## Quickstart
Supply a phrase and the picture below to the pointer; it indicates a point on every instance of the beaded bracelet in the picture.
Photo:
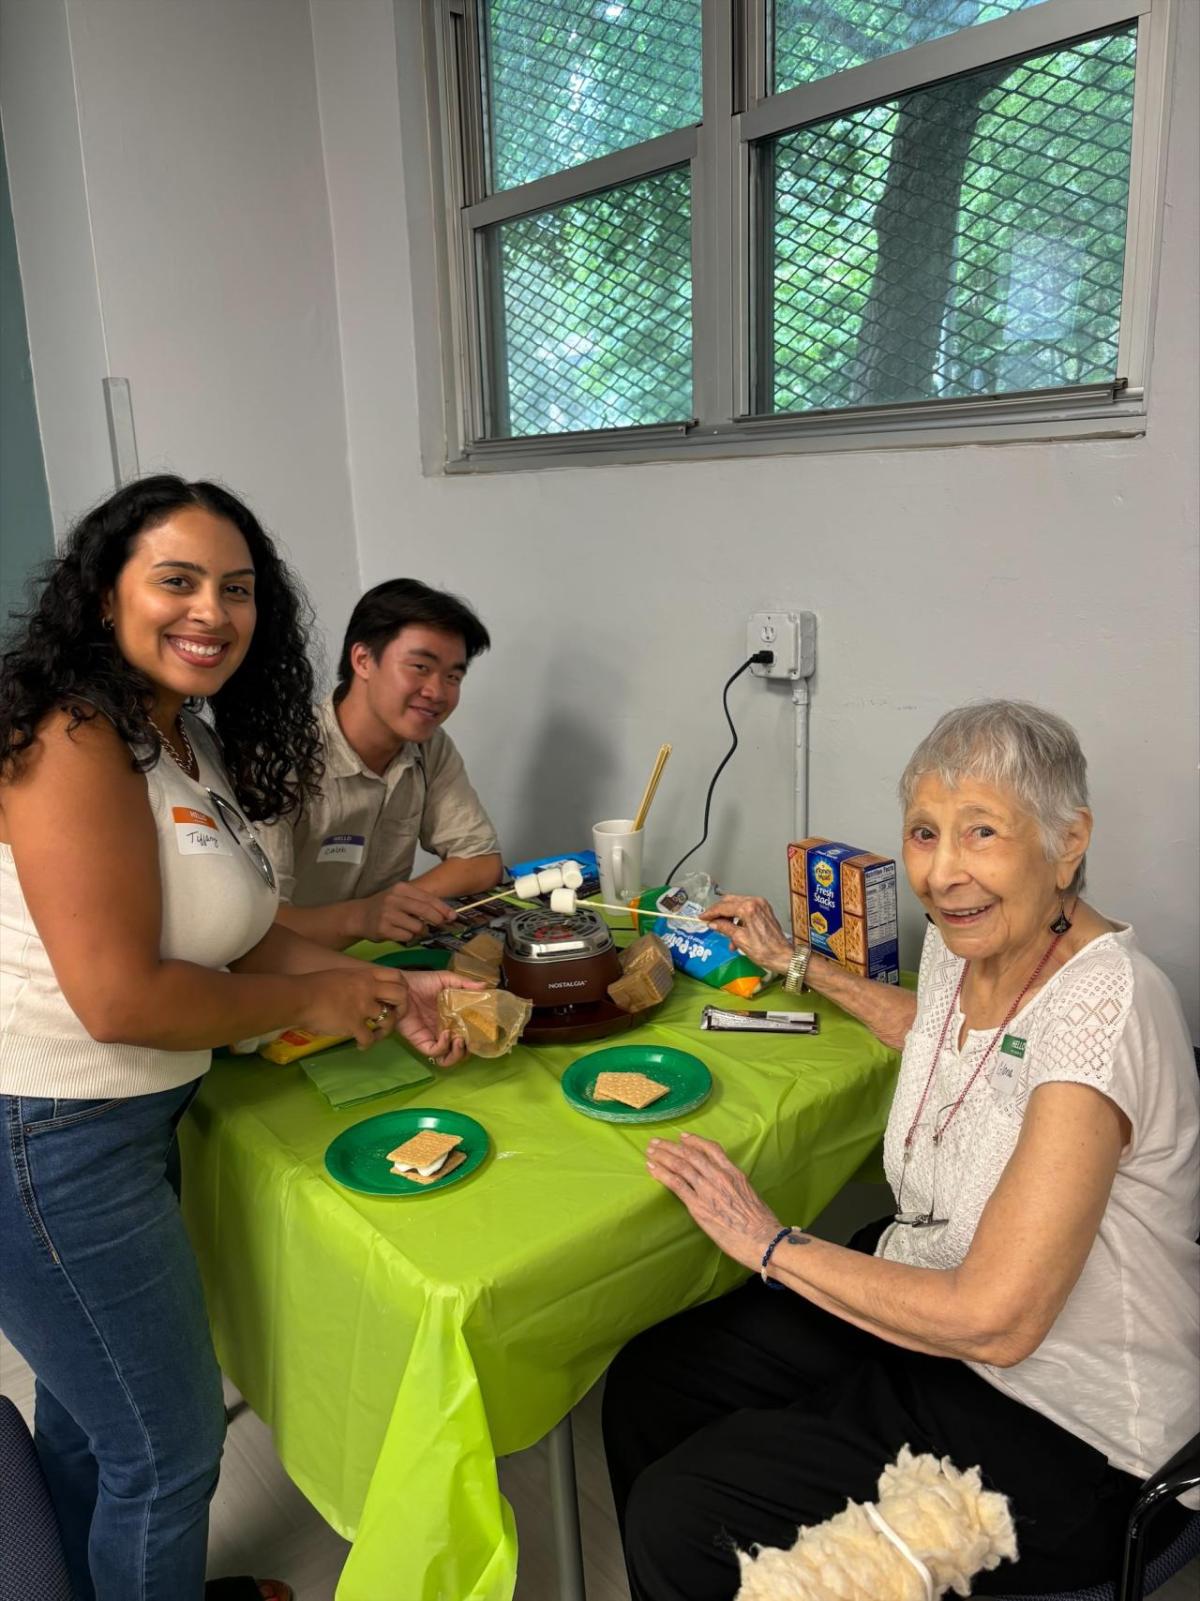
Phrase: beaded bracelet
(768, 1253)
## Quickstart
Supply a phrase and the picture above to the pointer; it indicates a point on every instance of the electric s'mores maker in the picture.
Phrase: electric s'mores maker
(564, 965)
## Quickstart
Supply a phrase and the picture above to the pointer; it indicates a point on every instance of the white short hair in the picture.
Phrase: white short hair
(1030, 752)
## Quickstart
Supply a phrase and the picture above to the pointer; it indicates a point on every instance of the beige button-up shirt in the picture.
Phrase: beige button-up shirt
(360, 833)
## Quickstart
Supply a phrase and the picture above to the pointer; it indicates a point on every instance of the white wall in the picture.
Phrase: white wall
(617, 595)
(230, 267)
(197, 176)
(54, 249)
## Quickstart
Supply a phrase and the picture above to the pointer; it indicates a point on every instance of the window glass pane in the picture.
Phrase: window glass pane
(965, 239)
(570, 80)
(814, 38)
(595, 322)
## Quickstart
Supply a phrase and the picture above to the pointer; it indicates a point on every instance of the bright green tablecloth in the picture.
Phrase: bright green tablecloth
(398, 1346)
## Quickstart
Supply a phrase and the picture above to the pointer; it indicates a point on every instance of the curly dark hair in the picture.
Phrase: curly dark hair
(59, 655)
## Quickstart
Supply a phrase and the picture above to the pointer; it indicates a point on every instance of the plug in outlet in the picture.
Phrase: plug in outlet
(793, 638)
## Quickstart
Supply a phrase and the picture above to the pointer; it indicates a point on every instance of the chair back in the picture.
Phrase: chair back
(33, 1566)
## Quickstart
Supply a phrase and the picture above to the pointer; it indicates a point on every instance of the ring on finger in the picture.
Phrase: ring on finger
(381, 1016)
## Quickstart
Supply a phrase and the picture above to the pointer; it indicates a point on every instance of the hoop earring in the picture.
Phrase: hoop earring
(107, 624)
(1062, 922)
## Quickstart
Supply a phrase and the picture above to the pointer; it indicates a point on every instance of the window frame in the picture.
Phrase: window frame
(728, 232)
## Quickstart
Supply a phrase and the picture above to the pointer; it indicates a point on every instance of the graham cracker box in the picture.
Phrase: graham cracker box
(844, 905)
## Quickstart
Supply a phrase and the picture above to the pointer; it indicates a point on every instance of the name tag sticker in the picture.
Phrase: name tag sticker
(196, 833)
(1013, 1045)
(342, 848)
(1005, 1079)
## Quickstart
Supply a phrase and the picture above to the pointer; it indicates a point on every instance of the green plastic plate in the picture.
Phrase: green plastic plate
(358, 1157)
(689, 1080)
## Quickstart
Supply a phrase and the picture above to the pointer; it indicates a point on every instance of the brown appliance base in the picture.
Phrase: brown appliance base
(567, 1025)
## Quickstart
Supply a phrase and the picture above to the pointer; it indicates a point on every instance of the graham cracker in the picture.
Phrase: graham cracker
(455, 1159)
(424, 1147)
(631, 1089)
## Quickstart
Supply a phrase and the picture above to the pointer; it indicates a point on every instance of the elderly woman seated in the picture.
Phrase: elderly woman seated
(1032, 1306)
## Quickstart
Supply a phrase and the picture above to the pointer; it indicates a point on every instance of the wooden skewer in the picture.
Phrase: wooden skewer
(500, 895)
(639, 821)
(600, 906)
(633, 911)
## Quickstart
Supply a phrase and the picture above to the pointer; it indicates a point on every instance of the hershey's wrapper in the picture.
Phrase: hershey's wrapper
(720, 1020)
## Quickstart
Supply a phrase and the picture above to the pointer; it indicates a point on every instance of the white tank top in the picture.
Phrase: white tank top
(216, 905)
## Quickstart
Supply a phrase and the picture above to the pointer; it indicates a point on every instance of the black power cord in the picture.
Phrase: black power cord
(760, 658)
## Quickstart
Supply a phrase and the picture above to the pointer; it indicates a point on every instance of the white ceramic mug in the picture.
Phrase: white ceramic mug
(619, 854)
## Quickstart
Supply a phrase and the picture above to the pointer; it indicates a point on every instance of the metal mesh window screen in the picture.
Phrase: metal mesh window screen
(814, 38)
(592, 311)
(962, 240)
(570, 80)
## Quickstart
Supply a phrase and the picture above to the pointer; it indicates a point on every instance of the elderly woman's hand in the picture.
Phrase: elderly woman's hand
(717, 1194)
(756, 933)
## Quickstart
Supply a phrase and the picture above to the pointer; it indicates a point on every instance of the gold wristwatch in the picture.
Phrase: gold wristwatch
(793, 979)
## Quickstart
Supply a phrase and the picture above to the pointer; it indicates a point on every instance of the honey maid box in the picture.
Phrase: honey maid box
(844, 906)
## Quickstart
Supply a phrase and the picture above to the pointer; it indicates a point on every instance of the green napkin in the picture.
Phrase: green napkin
(345, 1075)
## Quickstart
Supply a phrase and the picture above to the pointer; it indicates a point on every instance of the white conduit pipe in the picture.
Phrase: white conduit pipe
(800, 796)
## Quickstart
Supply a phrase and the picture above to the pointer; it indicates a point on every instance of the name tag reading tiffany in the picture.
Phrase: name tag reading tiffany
(342, 848)
(196, 833)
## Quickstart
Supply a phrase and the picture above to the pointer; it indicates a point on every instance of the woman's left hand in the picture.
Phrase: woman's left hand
(422, 1027)
(717, 1194)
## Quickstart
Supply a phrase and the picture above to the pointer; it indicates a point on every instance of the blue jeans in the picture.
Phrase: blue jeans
(100, 1294)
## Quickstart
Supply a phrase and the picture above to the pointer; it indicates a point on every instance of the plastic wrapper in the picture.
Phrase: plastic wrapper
(485, 947)
(489, 1021)
(647, 975)
(647, 953)
(294, 1043)
(697, 949)
(468, 966)
(637, 992)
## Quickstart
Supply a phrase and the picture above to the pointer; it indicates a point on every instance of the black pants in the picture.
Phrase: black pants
(732, 1424)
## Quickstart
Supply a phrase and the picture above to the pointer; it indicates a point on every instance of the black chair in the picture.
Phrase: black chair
(32, 1566)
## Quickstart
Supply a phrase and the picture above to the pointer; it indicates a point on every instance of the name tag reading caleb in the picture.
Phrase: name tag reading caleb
(342, 848)
(196, 833)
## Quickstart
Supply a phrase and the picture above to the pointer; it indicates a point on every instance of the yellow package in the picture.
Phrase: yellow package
(294, 1043)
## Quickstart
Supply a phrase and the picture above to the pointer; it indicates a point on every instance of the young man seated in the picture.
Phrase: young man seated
(393, 779)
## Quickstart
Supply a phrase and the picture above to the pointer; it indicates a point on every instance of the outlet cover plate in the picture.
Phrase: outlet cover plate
(791, 635)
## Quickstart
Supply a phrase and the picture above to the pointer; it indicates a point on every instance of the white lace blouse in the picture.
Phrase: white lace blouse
(1119, 1368)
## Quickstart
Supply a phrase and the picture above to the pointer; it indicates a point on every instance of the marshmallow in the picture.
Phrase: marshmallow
(572, 875)
(563, 900)
(526, 887)
(427, 1171)
(550, 878)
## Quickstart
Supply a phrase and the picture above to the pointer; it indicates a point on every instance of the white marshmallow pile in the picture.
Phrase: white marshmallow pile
(562, 882)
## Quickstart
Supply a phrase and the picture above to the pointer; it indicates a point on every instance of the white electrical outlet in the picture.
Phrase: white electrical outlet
(793, 638)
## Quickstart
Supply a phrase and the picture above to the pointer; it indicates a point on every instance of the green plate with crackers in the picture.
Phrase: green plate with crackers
(687, 1081)
(358, 1158)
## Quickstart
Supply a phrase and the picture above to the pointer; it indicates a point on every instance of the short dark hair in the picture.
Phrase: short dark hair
(406, 603)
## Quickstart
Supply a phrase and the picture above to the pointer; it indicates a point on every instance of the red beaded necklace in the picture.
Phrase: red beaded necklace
(930, 1219)
(940, 1128)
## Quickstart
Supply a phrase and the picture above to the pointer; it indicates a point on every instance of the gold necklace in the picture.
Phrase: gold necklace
(192, 766)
